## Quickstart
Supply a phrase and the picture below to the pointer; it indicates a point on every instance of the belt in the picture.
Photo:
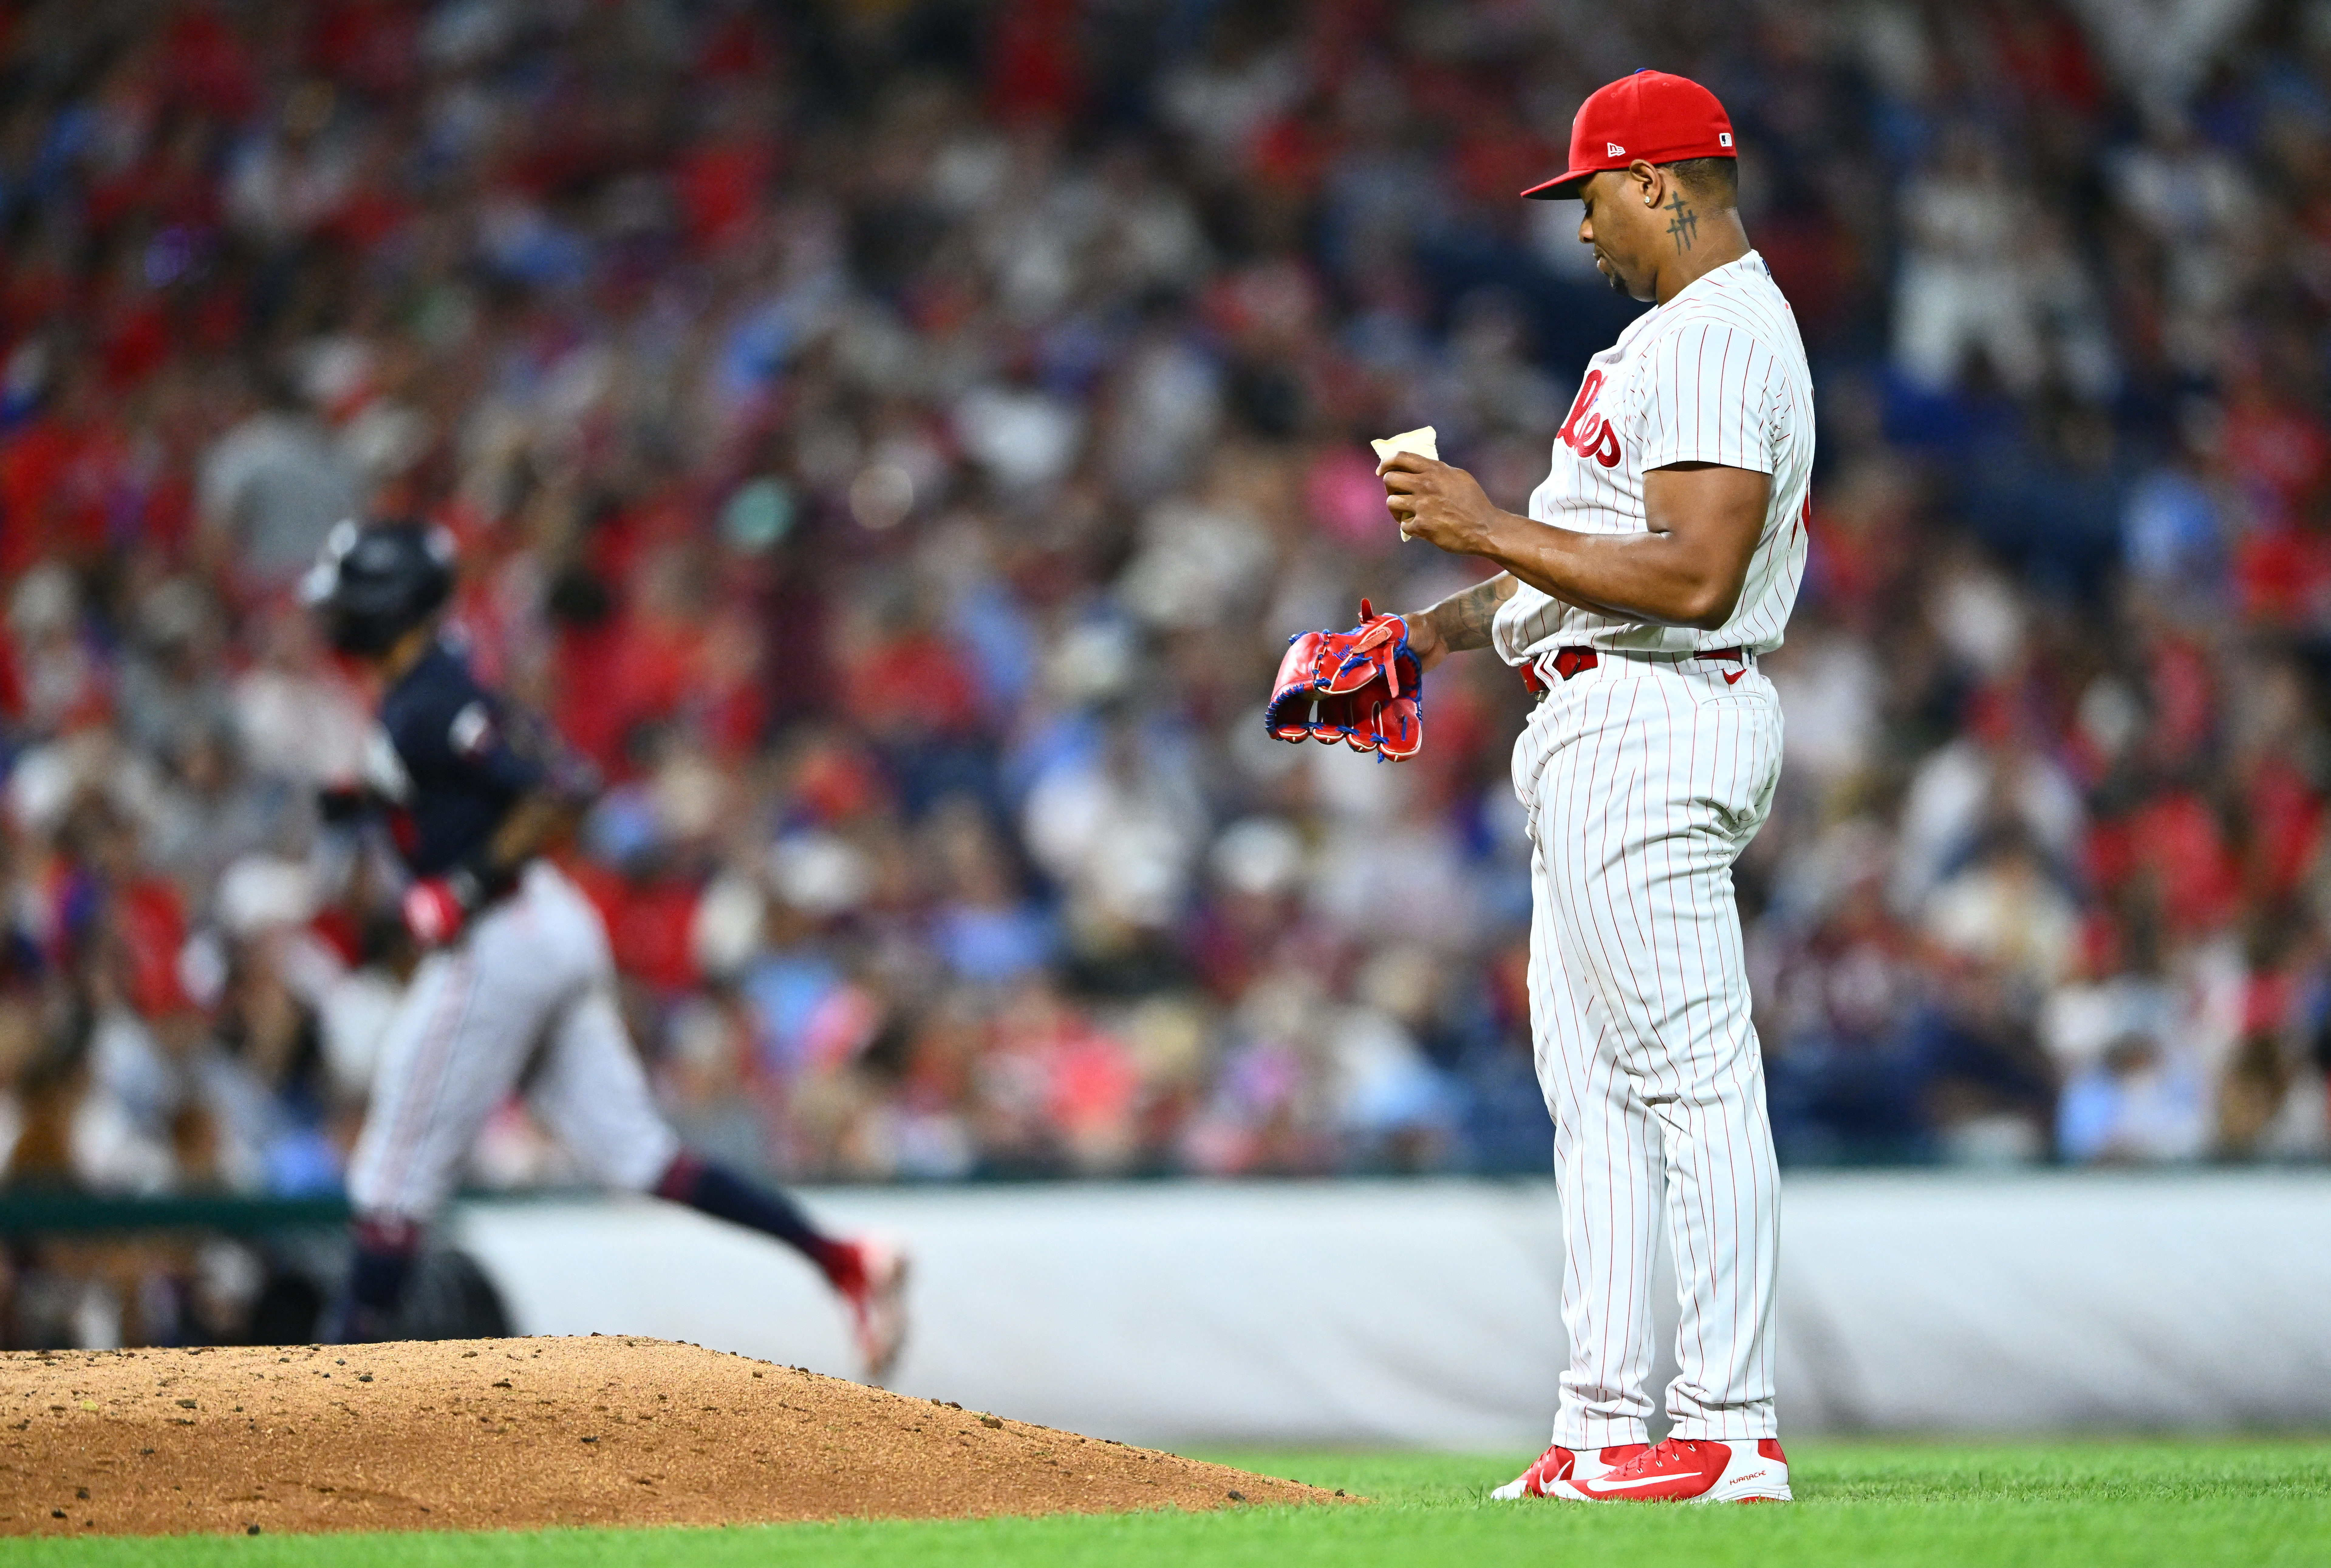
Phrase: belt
(1568, 662)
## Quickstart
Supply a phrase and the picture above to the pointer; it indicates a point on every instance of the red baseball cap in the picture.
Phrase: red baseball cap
(1651, 115)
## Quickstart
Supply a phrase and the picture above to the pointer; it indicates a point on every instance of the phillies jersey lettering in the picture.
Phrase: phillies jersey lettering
(1717, 374)
(1586, 433)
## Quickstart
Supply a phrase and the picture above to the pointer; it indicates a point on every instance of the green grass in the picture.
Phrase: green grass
(2091, 1505)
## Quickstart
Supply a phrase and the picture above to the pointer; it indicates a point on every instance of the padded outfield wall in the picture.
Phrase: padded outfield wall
(1424, 1312)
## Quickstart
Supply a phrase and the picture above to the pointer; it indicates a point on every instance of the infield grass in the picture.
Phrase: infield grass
(2261, 1504)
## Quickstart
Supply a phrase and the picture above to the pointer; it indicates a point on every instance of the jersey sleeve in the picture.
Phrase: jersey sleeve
(479, 742)
(459, 733)
(1710, 395)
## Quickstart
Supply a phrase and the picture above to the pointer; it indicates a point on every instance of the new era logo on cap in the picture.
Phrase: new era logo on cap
(1612, 149)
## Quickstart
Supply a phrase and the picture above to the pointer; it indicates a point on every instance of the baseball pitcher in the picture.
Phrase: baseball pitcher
(517, 990)
(1660, 559)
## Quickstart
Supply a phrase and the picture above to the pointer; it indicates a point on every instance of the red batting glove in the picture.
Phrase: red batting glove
(433, 912)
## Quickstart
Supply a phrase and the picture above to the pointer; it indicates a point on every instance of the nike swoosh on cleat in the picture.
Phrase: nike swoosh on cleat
(1646, 1481)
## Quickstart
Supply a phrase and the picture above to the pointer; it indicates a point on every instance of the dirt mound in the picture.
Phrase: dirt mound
(513, 1433)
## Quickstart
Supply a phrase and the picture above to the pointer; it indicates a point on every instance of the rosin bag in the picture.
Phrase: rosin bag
(1422, 441)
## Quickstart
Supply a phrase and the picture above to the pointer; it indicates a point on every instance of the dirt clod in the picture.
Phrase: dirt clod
(687, 1438)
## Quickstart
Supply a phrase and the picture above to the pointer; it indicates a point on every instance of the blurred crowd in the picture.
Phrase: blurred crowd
(894, 438)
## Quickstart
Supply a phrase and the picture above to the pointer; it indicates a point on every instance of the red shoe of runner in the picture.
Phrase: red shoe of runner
(871, 1274)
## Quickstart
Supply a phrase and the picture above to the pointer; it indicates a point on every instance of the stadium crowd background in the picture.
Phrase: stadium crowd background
(895, 439)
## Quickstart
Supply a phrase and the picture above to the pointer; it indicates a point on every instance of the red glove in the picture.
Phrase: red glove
(435, 911)
(1363, 687)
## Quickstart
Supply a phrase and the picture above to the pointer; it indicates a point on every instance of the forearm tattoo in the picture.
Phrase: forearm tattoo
(1464, 619)
(1686, 227)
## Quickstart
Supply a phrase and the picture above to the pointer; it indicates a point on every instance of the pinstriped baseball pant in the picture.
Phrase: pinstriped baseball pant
(1643, 779)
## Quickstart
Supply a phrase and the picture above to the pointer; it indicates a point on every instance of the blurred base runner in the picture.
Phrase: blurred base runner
(516, 991)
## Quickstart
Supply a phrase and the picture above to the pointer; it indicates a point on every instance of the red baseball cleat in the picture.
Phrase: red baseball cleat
(1560, 1464)
(1689, 1471)
(871, 1274)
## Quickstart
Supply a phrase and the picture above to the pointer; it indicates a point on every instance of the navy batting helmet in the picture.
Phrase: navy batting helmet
(377, 581)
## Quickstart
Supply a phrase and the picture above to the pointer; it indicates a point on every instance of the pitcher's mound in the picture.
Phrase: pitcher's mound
(515, 1433)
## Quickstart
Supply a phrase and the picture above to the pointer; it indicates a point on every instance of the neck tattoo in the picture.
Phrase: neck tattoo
(1685, 229)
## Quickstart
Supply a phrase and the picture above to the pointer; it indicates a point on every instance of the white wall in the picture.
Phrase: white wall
(1425, 1313)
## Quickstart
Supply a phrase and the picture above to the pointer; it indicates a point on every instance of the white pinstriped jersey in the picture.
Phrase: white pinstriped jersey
(1717, 374)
